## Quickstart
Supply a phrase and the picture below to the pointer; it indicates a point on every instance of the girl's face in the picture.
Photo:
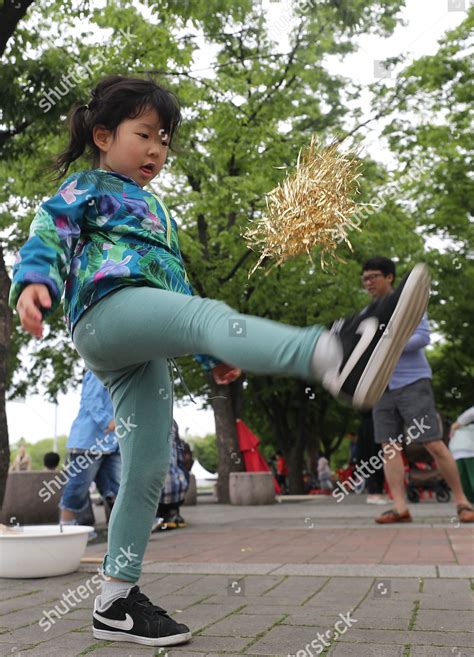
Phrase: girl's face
(138, 150)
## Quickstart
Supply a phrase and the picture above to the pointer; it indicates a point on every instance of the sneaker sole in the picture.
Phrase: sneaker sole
(393, 522)
(406, 317)
(169, 525)
(143, 640)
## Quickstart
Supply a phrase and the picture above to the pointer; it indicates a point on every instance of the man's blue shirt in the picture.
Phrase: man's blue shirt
(95, 414)
(413, 364)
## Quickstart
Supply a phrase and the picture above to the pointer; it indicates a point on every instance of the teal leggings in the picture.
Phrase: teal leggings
(126, 339)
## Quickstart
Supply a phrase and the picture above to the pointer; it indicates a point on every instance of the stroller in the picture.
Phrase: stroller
(422, 475)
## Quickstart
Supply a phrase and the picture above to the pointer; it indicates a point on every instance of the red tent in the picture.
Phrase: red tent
(253, 460)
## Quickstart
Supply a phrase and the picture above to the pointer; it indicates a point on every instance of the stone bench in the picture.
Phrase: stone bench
(32, 498)
(251, 488)
(191, 493)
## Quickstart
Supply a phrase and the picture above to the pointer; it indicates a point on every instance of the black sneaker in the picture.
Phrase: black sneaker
(372, 341)
(136, 619)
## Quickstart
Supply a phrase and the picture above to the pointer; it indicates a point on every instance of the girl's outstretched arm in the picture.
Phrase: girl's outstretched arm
(45, 259)
(32, 300)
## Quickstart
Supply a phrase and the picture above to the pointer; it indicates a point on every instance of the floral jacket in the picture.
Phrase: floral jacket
(100, 232)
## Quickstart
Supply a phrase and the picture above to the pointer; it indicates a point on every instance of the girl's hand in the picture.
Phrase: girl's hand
(224, 374)
(110, 427)
(34, 297)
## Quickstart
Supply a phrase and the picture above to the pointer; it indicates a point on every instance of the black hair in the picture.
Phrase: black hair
(51, 460)
(380, 263)
(115, 99)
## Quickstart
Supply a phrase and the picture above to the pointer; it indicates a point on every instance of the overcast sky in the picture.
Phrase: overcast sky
(427, 20)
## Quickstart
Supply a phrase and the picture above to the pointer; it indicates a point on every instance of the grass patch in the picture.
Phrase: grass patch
(414, 615)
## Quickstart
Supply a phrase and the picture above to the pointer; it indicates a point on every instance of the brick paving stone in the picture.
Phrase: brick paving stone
(182, 651)
(13, 650)
(287, 639)
(432, 651)
(82, 613)
(73, 644)
(259, 585)
(366, 650)
(451, 621)
(451, 602)
(7, 593)
(18, 603)
(34, 634)
(296, 589)
(210, 584)
(217, 643)
(8, 586)
(198, 567)
(176, 601)
(201, 616)
(383, 622)
(255, 607)
(45, 650)
(348, 601)
(311, 616)
(453, 587)
(245, 599)
(397, 589)
(171, 584)
(246, 626)
(123, 649)
(414, 637)
(24, 617)
(375, 609)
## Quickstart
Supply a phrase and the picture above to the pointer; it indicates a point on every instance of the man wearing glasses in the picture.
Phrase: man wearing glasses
(407, 409)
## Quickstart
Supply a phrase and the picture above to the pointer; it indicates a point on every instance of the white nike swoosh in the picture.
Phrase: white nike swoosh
(367, 329)
(126, 624)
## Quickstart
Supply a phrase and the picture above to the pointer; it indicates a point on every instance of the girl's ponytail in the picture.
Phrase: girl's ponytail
(80, 136)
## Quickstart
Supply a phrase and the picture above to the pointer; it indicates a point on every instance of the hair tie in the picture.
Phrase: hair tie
(86, 106)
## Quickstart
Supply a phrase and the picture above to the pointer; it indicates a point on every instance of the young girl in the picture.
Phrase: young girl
(130, 309)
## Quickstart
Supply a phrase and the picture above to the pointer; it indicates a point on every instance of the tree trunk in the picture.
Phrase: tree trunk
(313, 452)
(5, 332)
(297, 446)
(230, 458)
(295, 469)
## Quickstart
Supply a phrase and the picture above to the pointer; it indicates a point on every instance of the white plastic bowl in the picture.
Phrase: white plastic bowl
(42, 550)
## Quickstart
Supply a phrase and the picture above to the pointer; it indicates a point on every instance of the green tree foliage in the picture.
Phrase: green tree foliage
(432, 126)
(205, 451)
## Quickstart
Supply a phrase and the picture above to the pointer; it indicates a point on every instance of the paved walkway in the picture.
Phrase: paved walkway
(277, 580)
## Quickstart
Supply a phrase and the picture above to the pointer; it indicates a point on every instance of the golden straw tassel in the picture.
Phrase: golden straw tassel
(312, 208)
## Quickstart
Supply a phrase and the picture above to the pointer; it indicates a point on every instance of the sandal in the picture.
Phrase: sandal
(465, 513)
(392, 516)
